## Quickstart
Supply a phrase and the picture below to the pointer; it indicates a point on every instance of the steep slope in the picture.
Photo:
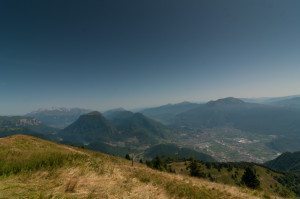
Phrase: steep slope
(286, 162)
(58, 117)
(166, 113)
(175, 152)
(139, 126)
(290, 164)
(258, 118)
(34, 168)
(88, 128)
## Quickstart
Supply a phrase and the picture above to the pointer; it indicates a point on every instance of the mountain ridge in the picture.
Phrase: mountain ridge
(58, 117)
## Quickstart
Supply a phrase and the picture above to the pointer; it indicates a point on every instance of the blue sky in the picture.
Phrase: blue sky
(106, 54)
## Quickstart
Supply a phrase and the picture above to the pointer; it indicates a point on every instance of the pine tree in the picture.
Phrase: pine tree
(127, 157)
(193, 167)
(157, 163)
(250, 179)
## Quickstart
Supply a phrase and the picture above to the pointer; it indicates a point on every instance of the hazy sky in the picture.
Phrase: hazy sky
(105, 54)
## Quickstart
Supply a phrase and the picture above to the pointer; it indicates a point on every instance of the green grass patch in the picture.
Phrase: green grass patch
(38, 161)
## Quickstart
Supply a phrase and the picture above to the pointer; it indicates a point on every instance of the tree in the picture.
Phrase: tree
(193, 167)
(157, 163)
(250, 179)
(127, 157)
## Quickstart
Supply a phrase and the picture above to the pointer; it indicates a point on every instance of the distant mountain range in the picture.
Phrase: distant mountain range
(119, 131)
(58, 117)
(289, 103)
(167, 113)
(10, 125)
(272, 116)
(251, 117)
(268, 100)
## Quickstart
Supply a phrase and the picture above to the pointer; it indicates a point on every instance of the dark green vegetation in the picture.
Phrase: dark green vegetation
(289, 162)
(109, 148)
(175, 152)
(250, 179)
(167, 113)
(160, 163)
(58, 117)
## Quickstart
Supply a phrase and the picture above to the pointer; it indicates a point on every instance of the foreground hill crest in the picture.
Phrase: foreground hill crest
(62, 171)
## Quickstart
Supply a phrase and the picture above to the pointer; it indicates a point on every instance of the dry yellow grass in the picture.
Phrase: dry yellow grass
(97, 175)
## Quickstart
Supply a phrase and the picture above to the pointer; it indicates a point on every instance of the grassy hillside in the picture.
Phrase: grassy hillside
(231, 174)
(34, 168)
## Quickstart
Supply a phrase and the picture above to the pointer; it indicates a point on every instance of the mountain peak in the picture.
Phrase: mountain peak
(226, 101)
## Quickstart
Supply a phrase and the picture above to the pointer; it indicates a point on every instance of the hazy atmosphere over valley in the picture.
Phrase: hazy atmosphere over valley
(149, 99)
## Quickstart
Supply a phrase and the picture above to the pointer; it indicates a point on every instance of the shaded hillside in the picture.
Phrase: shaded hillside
(286, 162)
(175, 152)
(89, 128)
(248, 117)
(123, 132)
(58, 117)
(166, 113)
(33, 168)
(139, 126)
(290, 164)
